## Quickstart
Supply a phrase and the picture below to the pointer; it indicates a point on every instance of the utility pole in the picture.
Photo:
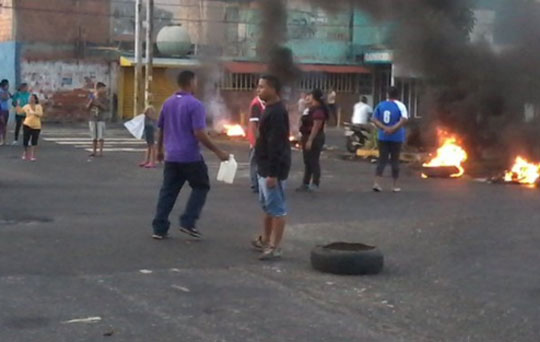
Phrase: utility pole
(137, 84)
(149, 52)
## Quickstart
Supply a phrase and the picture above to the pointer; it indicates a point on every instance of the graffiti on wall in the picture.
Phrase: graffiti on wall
(64, 87)
(302, 27)
(318, 25)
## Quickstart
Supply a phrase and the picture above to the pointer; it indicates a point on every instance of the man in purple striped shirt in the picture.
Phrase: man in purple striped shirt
(182, 125)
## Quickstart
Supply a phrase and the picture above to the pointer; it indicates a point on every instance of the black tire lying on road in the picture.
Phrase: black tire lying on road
(439, 171)
(347, 258)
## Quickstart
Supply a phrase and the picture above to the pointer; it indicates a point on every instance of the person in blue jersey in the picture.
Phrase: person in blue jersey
(390, 118)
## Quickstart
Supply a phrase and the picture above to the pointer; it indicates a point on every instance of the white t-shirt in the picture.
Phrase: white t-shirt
(301, 105)
(332, 97)
(361, 114)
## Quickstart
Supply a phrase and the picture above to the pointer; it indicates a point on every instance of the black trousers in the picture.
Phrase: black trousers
(389, 150)
(312, 159)
(18, 124)
(30, 135)
(332, 109)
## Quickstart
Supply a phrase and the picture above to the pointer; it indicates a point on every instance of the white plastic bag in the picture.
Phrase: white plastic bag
(227, 170)
(135, 126)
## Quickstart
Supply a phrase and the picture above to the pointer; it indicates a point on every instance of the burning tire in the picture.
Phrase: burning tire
(440, 171)
(347, 258)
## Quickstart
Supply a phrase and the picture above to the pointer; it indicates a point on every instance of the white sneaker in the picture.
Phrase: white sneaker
(377, 188)
(270, 253)
(396, 190)
(314, 188)
(15, 142)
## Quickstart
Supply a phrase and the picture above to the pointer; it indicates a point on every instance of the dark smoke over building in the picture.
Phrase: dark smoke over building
(271, 43)
(476, 88)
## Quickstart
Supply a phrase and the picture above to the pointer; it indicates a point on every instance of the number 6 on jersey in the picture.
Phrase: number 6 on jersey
(387, 117)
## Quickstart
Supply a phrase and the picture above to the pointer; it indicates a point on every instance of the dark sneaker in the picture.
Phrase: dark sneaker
(193, 232)
(270, 253)
(258, 244)
(303, 188)
(159, 236)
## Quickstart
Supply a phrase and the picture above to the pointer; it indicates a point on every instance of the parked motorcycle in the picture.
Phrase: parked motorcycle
(356, 136)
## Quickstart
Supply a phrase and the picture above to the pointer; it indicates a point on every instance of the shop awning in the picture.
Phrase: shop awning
(248, 67)
(162, 62)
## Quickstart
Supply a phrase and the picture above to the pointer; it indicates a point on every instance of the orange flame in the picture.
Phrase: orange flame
(523, 172)
(450, 153)
(234, 130)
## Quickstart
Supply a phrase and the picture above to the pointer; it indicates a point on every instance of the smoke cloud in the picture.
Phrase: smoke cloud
(270, 46)
(471, 88)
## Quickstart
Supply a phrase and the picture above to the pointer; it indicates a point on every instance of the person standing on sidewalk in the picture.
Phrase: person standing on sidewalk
(182, 125)
(273, 155)
(150, 155)
(99, 107)
(20, 99)
(390, 117)
(31, 127)
(332, 105)
(255, 109)
(313, 138)
(302, 104)
(4, 110)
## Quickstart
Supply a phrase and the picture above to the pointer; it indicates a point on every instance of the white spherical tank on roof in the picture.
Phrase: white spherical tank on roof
(173, 41)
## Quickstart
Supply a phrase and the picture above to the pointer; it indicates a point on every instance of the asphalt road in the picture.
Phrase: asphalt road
(462, 257)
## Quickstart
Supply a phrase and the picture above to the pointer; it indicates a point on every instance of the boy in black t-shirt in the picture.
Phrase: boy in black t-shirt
(273, 155)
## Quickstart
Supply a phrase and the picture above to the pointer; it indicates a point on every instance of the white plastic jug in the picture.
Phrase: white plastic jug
(227, 170)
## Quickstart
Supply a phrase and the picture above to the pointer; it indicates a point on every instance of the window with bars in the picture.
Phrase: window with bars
(410, 94)
(341, 83)
(239, 82)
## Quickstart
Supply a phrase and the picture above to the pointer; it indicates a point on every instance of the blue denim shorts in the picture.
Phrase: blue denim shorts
(272, 200)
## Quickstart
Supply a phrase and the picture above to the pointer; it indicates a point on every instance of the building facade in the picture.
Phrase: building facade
(61, 48)
(328, 47)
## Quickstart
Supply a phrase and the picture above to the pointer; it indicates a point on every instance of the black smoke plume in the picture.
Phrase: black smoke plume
(270, 47)
(473, 89)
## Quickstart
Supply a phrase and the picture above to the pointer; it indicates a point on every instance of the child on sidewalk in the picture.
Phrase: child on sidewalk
(150, 119)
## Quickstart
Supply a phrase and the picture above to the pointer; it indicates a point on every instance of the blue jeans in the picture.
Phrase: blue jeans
(253, 170)
(175, 175)
(273, 200)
